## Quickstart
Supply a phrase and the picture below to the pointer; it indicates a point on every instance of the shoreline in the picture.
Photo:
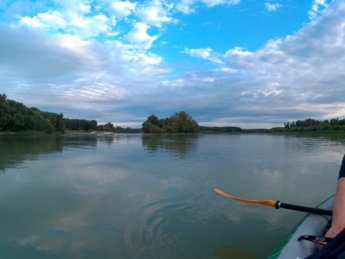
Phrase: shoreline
(244, 132)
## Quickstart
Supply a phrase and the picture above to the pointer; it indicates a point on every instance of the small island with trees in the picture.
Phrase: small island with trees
(181, 122)
(16, 117)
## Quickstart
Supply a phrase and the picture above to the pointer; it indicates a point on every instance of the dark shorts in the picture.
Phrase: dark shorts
(342, 168)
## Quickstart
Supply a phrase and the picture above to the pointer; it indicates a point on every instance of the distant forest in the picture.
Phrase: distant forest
(308, 125)
(15, 116)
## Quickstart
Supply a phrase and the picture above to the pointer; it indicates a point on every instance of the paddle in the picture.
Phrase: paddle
(276, 204)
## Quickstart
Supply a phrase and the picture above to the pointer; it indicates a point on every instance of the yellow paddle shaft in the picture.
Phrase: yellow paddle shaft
(271, 203)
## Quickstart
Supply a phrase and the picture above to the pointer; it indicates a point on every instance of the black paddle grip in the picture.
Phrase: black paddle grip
(303, 208)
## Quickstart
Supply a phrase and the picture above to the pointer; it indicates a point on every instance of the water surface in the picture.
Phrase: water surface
(141, 196)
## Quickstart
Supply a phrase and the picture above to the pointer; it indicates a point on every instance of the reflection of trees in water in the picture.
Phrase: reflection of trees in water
(14, 149)
(179, 144)
(307, 143)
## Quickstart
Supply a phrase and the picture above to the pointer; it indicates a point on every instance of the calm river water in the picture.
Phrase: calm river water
(136, 196)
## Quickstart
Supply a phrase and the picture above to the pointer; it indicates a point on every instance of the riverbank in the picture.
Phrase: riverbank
(329, 134)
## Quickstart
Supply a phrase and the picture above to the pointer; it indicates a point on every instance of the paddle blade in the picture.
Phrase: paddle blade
(271, 203)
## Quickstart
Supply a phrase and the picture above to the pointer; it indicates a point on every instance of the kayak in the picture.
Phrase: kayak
(311, 225)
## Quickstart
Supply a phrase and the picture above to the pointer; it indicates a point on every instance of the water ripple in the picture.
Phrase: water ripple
(159, 236)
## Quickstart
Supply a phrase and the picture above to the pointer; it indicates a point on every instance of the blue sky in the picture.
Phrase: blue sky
(239, 63)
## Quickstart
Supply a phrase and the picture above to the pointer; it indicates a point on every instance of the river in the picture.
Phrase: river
(147, 196)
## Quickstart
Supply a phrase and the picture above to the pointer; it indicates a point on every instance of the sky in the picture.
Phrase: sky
(245, 63)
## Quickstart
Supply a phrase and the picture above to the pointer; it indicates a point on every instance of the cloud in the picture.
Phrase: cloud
(123, 8)
(317, 6)
(185, 6)
(201, 53)
(49, 19)
(155, 14)
(189, 6)
(212, 3)
(272, 7)
(74, 6)
(139, 37)
(71, 23)
(239, 56)
(204, 53)
(28, 55)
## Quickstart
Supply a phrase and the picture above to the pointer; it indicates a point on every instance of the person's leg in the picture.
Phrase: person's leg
(338, 217)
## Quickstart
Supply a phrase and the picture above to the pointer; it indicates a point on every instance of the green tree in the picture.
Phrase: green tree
(93, 125)
(48, 126)
(107, 127)
(181, 122)
(15, 116)
(59, 123)
(18, 121)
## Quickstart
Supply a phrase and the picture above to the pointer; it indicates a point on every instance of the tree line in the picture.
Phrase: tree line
(225, 129)
(315, 125)
(15, 116)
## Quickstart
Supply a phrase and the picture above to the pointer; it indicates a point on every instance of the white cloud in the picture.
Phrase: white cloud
(189, 6)
(212, 3)
(123, 8)
(201, 53)
(204, 53)
(238, 58)
(272, 7)
(33, 22)
(238, 52)
(139, 37)
(316, 8)
(71, 23)
(185, 7)
(155, 14)
(50, 19)
(90, 27)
